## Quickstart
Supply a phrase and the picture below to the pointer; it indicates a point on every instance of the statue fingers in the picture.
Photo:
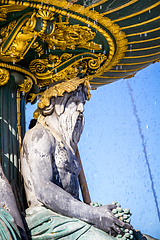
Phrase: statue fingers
(111, 231)
(108, 230)
(122, 224)
(116, 229)
(128, 226)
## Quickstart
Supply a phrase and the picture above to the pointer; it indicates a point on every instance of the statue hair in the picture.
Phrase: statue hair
(62, 101)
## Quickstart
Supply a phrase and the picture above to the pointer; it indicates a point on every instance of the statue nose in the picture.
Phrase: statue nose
(80, 107)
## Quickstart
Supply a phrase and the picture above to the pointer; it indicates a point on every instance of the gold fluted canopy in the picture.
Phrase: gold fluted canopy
(103, 41)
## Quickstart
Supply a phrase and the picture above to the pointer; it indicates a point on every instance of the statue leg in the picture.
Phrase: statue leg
(45, 224)
(8, 228)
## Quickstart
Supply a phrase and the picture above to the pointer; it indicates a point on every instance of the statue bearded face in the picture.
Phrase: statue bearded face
(71, 121)
(65, 115)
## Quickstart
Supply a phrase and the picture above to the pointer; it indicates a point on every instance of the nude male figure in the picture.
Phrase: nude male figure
(50, 167)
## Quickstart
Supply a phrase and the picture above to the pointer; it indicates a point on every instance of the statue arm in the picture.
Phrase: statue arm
(39, 158)
(36, 158)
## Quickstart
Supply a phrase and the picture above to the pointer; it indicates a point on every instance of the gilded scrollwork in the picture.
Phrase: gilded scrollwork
(43, 68)
(56, 60)
(39, 66)
(38, 48)
(46, 69)
(4, 76)
(95, 63)
(66, 74)
(46, 73)
(27, 85)
(19, 69)
(63, 36)
(50, 29)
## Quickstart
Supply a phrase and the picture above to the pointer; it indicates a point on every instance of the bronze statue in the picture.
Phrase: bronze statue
(50, 170)
(50, 167)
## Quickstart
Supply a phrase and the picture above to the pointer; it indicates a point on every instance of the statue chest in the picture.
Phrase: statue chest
(65, 159)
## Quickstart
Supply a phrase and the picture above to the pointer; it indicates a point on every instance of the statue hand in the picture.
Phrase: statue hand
(108, 222)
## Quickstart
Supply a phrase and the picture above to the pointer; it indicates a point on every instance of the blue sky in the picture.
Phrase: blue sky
(119, 146)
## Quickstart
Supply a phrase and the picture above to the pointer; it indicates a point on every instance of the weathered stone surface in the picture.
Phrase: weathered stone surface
(50, 167)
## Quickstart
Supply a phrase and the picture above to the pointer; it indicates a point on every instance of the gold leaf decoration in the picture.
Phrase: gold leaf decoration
(9, 8)
(66, 36)
(4, 76)
(5, 31)
(27, 85)
(67, 74)
(45, 69)
(20, 39)
(45, 15)
(59, 89)
(57, 27)
(32, 97)
(95, 63)
(57, 60)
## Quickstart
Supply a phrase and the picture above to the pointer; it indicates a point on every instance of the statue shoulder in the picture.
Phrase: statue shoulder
(37, 136)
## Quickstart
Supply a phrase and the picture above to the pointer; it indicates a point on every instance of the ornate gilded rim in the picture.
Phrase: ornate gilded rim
(142, 35)
(113, 34)
(19, 69)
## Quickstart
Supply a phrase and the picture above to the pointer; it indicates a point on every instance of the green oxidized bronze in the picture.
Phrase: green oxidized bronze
(45, 41)
(8, 228)
(55, 27)
(43, 32)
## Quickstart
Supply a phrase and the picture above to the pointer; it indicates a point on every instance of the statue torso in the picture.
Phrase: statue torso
(66, 169)
(65, 166)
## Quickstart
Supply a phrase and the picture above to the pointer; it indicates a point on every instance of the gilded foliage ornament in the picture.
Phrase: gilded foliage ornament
(56, 60)
(58, 90)
(65, 42)
(46, 69)
(4, 76)
(5, 31)
(38, 48)
(65, 36)
(19, 69)
(27, 85)
(22, 37)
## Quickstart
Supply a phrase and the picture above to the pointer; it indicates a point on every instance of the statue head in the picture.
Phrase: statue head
(64, 113)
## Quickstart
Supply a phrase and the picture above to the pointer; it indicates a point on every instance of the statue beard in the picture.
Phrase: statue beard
(71, 127)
